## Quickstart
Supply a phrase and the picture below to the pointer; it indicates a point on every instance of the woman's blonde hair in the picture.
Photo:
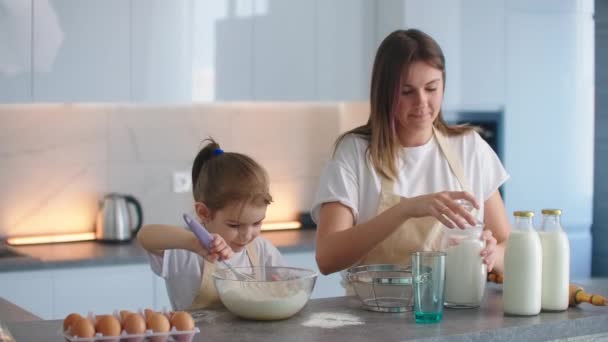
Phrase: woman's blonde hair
(221, 178)
(395, 55)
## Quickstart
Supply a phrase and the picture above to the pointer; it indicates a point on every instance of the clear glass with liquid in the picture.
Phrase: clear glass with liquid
(428, 278)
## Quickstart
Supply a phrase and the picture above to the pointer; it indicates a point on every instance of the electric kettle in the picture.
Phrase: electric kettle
(114, 219)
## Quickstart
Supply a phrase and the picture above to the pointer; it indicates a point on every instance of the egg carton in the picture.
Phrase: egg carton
(148, 336)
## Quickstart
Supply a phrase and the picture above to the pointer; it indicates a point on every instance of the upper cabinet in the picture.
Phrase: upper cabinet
(15, 51)
(284, 50)
(344, 47)
(161, 48)
(155, 51)
(81, 50)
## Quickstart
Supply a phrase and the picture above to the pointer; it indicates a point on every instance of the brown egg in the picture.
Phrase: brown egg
(182, 320)
(123, 315)
(134, 324)
(158, 322)
(148, 312)
(82, 327)
(107, 325)
(69, 319)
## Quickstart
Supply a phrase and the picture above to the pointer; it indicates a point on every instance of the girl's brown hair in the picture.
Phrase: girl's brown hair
(221, 178)
(395, 55)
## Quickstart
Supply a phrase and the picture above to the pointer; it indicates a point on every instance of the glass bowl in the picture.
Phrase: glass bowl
(382, 287)
(276, 293)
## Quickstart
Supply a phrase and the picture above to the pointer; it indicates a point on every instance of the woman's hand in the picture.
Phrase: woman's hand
(443, 206)
(219, 249)
(488, 255)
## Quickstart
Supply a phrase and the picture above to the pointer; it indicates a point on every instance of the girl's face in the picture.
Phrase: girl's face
(420, 98)
(237, 223)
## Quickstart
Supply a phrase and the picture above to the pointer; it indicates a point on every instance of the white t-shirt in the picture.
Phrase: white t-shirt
(183, 270)
(349, 177)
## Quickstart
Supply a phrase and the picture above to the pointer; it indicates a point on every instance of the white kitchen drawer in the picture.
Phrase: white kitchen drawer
(32, 291)
(103, 289)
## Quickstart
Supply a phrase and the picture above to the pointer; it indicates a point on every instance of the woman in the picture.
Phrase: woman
(394, 182)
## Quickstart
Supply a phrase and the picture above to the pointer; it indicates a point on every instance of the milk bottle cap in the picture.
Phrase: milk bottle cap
(556, 212)
(523, 213)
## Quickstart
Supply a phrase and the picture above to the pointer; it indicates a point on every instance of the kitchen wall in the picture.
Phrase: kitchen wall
(59, 159)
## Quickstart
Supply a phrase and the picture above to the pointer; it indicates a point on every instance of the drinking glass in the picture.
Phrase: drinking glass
(428, 277)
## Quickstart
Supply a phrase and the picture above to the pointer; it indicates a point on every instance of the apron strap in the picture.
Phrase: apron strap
(252, 254)
(454, 163)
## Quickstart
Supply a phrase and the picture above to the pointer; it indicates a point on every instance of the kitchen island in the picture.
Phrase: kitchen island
(342, 319)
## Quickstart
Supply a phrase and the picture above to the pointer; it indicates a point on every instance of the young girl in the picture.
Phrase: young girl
(231, 195)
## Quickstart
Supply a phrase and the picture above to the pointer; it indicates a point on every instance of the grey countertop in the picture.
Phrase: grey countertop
(91, 253)
(10, 312)
(342, 319)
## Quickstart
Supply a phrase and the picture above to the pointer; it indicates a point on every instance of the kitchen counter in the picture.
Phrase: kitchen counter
(91, 253)
(10, 312)
(342, 319)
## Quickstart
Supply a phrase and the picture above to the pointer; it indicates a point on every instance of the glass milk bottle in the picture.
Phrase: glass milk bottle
(523, 268)
(465, 272)
(556, 262)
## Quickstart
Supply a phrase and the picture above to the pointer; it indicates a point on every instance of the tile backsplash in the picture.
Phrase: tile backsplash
(58, 160)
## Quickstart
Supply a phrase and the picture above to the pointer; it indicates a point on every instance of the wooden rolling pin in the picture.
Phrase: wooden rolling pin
(576, 294)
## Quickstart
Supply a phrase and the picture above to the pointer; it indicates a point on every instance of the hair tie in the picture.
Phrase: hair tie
(217, 151)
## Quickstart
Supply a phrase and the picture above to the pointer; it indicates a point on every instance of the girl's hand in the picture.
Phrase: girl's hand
(488, 255)
(219, 249)
(443, 206)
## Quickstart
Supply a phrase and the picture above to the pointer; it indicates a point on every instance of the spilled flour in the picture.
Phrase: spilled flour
(330, 320)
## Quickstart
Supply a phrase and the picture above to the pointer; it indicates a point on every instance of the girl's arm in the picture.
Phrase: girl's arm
(340, 245)
(155, 238)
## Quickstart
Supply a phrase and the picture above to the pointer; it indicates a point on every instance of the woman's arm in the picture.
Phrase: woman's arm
(155, 238)
(339, 244)
(496, 220)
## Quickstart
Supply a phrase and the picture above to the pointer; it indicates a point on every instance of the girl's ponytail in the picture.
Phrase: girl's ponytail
(203, 156)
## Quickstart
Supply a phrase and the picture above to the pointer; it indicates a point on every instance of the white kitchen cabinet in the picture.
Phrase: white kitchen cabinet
(161, 298)
(224, 50)
(81, 51)
(161, 51)
(550, 97)
(31, 290)
(15, 51)
(483, 55)
(102, 289)
(326, 286)
(284, 50)
(52, 294)
(345, 48)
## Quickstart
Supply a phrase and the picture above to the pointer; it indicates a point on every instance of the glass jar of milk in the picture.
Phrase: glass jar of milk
(521, 292)
(465, 272)
(556, 262)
